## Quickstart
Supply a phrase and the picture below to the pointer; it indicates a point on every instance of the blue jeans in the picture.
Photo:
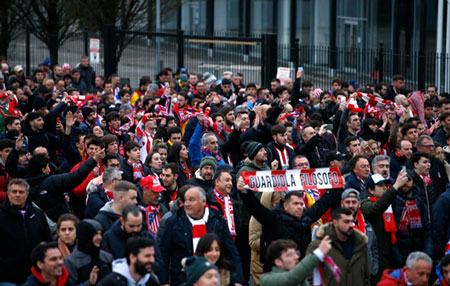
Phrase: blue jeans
(7, 284)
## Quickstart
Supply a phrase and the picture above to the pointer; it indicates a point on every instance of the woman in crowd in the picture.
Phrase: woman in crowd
(210, 248)
(179, 154)
(66, 230)
(155, 163)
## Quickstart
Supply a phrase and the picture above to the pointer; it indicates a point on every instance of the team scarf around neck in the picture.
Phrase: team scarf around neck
(138, 171)
(186, 170)
(284, 157)
(227, 209)
(319, 271)
(389, 221)
(153, 217)
(410, 218)
(198, 228)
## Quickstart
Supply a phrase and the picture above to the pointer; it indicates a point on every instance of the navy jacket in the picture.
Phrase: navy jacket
(96, 200)
(176, 243)
(441, 222)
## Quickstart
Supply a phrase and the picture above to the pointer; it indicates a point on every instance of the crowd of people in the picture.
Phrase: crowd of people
(102, 183)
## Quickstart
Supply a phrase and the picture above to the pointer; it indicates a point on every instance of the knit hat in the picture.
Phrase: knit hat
(32, 116)
(195, 267)
(86, 111)
(208, 161)
(252, 149)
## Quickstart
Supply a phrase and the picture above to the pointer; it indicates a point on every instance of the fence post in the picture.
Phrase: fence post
(110, 49)
(294, 54)
(86, 42)
(380, 67)
(27, 52)
(180, 51)
(269, 58)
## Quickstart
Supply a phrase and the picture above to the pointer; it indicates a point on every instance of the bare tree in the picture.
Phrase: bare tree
(9, 26)
(124, 14)
(49, 21)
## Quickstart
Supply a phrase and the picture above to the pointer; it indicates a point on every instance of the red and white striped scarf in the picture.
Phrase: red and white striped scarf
(319, 271)
(153, 217)
(284, 157)
(227, 211)
(198, 228)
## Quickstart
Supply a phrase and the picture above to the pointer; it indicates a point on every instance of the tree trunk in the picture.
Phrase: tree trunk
(53, 47)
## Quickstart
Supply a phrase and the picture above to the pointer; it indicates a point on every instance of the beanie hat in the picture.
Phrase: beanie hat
(252, 149)
(195, 267)
(86, 230)
(86, 111)
(32, 116)
(208, 161)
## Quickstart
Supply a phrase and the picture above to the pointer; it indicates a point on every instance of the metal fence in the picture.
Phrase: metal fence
(222, 52)
(367, 66)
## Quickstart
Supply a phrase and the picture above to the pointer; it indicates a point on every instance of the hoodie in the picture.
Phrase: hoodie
(120, 266)
(106, 216)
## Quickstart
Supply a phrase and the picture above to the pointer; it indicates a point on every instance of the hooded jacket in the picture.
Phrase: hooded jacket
(106, 216)
(86, 255)
(121, 276)
(198, 181)
(393, 277)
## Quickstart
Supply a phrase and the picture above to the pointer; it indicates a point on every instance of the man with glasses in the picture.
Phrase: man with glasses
(360, 171)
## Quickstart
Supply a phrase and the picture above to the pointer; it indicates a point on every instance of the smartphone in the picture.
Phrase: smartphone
(329, 126)
(404, 169)
(300, 69)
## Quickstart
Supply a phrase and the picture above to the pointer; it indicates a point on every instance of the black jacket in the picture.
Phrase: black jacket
(278, 224)
(176, 243)
(19, 234)
(96, 200)
(419, 239)
(115, 239)
(313, 150)
(47, 191)
(127, 170)
(275, 155)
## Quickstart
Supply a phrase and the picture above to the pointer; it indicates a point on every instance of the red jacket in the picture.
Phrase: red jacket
(80, 190)
(393, 277)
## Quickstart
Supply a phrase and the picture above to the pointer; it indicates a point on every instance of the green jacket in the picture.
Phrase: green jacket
(355, 271)
(294, 277)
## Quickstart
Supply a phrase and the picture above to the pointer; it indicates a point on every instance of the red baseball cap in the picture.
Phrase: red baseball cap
(152, 182)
